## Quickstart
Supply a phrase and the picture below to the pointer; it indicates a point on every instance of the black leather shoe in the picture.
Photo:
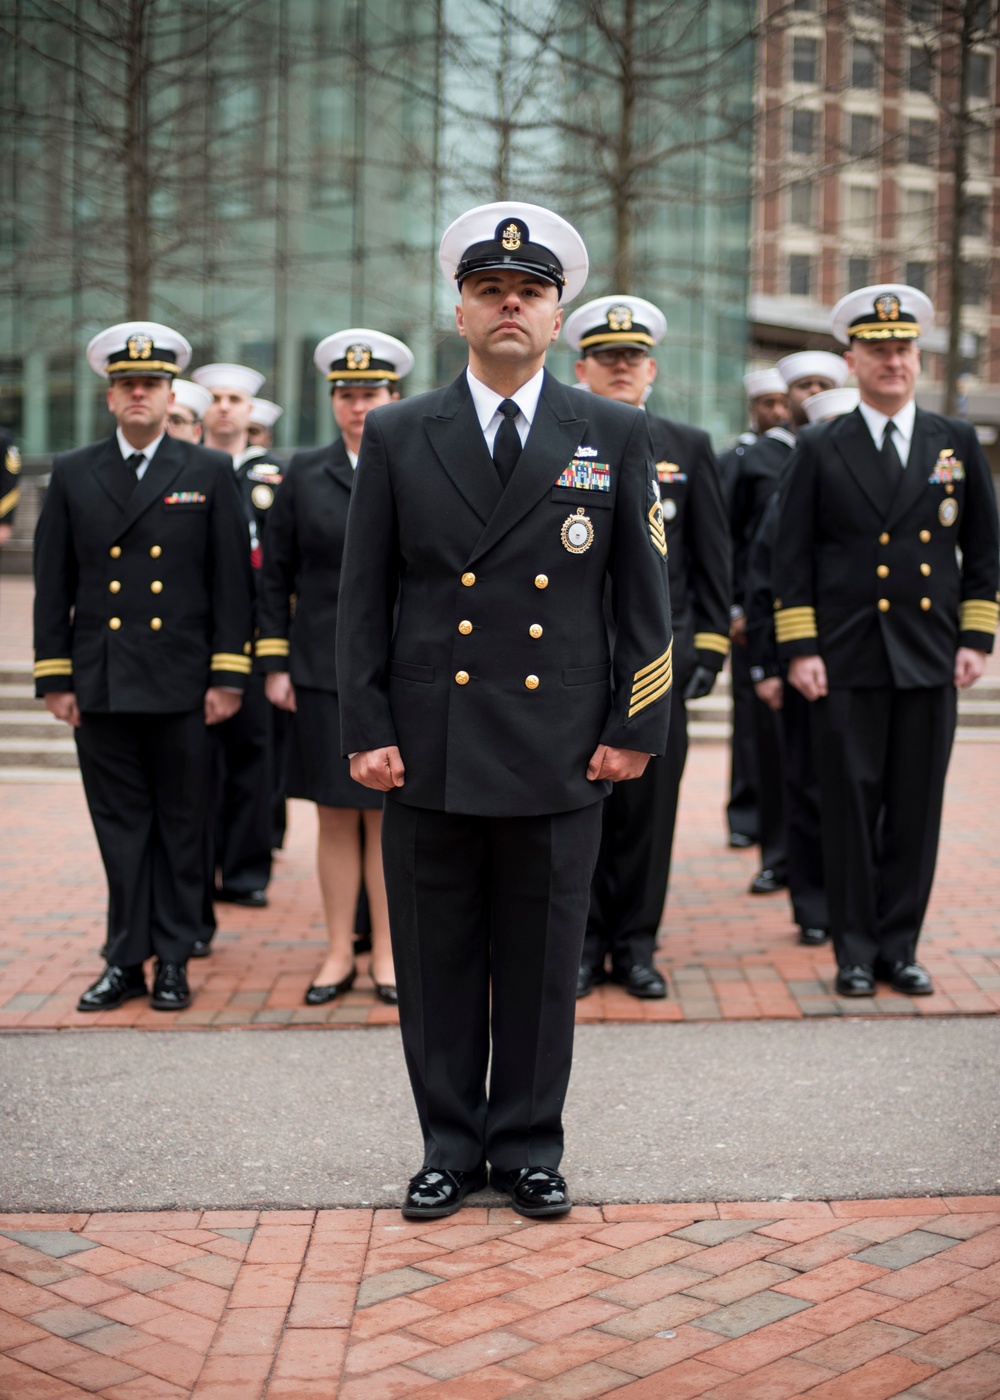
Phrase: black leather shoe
(534, 1191)
(114, 986)
(320, 995)
(202, 948)
(739, 842)
(767, 882)
(170, 988)
(249, 899)
(856, 981)
(645, 982)
(435, 1192)
(910, 979)
(587, 978)
(386, 991)
(813, 937)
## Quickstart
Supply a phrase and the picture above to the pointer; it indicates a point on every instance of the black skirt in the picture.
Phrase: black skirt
(316, 770)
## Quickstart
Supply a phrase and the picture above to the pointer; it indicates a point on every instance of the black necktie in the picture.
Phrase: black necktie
(891, 463)
(507, 443)
(133, 464)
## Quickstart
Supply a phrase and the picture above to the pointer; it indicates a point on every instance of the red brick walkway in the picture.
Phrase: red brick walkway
(853, 1300)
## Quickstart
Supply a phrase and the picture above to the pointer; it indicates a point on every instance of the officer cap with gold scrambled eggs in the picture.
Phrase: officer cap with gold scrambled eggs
(615, 323)
(515, 237)
(888, 311)
(362, 356)
(138, 348)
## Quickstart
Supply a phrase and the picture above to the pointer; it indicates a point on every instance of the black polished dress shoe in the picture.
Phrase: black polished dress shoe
(739, 842)
(248, 899)
(435, 1192)
(533, 1191)
(767, 882)
(328, 991)
(114, 986)
(202, 948)
(645, 982)
(587, 978)
(170, 988)
(386, 991)
(813, 937)
(856, 981)
(909, 978)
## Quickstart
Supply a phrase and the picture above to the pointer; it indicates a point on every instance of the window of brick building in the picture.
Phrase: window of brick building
(920, 142)
(802, 203)
(859, 210)
(918, 274)
(862, 134)
(804, 125)
(917, 215)
(975, 284)
(974, 224)
(799, 274)
(919, 72)
(862, 65)
(805, 60)
(980, 66)
(922, 12)
(859, 273)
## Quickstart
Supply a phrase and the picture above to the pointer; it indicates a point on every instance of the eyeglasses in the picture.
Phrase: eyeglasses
(177, 420)
(631, 354)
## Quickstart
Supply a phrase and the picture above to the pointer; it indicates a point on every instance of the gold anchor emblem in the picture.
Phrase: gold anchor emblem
(358, 357)
(620, 318)
(887, 307)
(139, 346)
(511, 237)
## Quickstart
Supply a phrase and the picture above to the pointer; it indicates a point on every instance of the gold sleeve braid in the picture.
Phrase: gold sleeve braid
(651, 683)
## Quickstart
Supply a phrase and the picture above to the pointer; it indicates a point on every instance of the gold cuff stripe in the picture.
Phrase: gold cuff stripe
(979, 615)
(612, 338)
(711, 641)
(362, 374)
(791, 634)
(791, 624)
(8, 502)
(638, 691)
(646, 670)
(58, 666)
(796, 612)
(141, 367)
(230, 661)
(649, 699)
(272, 646)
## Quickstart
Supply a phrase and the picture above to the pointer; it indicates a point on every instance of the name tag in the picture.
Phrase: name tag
(586, 475)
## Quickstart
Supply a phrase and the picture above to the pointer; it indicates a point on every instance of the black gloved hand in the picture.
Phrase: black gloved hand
(701, 682)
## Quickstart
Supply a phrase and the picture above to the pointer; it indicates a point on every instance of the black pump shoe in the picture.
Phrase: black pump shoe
(329, 991)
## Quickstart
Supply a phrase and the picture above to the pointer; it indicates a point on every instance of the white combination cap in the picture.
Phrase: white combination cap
(889, 311)
(264, 412)
(192, 396)
(138, 347)
(515, 237)
(240, 377)
(621, 322)
(764, 381)
(831, 403)
(362, 356)
(804, 364)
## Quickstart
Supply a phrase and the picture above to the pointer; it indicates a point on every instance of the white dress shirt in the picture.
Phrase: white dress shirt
(904, 420)
(488, 401)
(127, 451)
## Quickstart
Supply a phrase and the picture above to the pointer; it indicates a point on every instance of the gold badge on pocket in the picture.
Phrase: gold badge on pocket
(948, 511)
(577, 532)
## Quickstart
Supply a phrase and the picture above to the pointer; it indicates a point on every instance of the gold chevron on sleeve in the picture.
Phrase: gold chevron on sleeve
(230, 661)
(55, 666)
(711, 641)
(794, 624)
(979, 615)
(652, 682)
(8, 502)
(657, 533)
(272, 646)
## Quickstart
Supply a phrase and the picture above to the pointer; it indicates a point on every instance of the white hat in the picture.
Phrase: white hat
(764, 381)
(362, 356)
(264, 413)
(616, 321)
(831, 403)
(518, 237)
(240, 377)
(889, 311)
(138, 347)
(192, 396)
(804, 364)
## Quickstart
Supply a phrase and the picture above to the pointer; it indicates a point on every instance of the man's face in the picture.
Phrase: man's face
(181, 423)
(228, 415)
(618, 373)
(770, 411)
(886, 371)
(140, 401)
(804, 389)
(259, 436)
(508, 317)
(351, 402)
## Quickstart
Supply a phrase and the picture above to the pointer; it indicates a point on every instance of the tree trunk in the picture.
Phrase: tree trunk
(138, 230)
(624, 250)
(956, 267)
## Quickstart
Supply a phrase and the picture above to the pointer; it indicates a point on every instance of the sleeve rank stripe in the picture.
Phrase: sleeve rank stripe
(8, 502)
(272, 646)
(793, 634)
(711, 641)
(653, 665)
(58, 666)
(665, 678)
(654, 679)
(979, 615)
(794, 624)
(795, 613)
(649, 699)
(230, 661)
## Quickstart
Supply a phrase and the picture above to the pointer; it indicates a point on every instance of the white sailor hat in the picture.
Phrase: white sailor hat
(831, 403)
(265, 413)
(515, 237)
(889, 311)
(804, 364)
(362, 356)
(240, 377)
(192, 396)
(138, 347)
(616, 322)
(764, 381)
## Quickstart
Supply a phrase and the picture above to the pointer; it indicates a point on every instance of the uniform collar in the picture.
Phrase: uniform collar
(127, 450)
(904, 420)
(487, 400)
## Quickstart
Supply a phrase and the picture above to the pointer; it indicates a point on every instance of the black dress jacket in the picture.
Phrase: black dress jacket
(143, 597)
(472, 631)
(866, 571)
(760, 468)
(305, 546)
(698, 548)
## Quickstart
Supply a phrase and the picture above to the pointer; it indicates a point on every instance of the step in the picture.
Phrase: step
(18, 697)
(34, 724)
(45, 753)
(20, 773)
(17, 673)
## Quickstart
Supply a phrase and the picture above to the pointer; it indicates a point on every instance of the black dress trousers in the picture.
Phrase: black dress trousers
(883, 756)
(245, 793)
(478, 902)
(770, 756)
(144, 779)
(742, 806)
(802, 814)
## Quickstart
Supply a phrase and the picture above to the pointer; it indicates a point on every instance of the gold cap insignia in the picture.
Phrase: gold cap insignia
(358, 357)
(620, 318)
(887, 307)
(139, 346)
(511, 237)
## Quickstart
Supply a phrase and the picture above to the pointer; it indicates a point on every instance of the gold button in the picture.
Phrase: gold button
(925, 569)
(925, 603)
(883, 571)
(532, 682)
(925, 536)
(883, 605)
(247, 649)
(883, 538)
(115, 623)
(461, 678)
(115, 551)
(155, 552)
(541, 580)
(114, 586)
(468, 580)
(155, 623)
(535, 630)
(465, 628)
(156, 586)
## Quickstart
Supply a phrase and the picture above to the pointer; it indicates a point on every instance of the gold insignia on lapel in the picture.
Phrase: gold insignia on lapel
(358, 356)
(948, 511)
(577, 532)
(887, 307)
(656, 531)
(139, 346)
(262, 496)
(511, 237)
(620, 318)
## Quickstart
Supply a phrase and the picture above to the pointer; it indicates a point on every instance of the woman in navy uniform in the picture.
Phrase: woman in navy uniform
(305, 544)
